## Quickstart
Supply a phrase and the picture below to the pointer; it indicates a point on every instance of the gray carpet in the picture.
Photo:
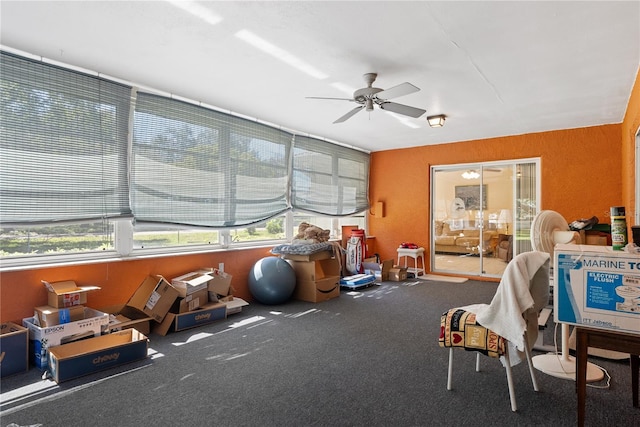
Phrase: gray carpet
(365, 358)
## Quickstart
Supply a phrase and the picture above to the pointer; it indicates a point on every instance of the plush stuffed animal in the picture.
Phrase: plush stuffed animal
(308, 233)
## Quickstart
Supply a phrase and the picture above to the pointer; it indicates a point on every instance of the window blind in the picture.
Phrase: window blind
(65, 157)
(196, 166)
(329, 179)
(63, 144)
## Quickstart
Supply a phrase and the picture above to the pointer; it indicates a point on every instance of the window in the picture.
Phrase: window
(329, 179)
(196, 166)
(63, 145)
(149, 236)
(94, 166)
(57, 239)
(329, 223)
(481, 215)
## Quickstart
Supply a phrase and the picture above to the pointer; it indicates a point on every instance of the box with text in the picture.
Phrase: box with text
(41, 339)
(154, 297)
(597, 287)
(96, 354)
(67, 293)
(177, 322)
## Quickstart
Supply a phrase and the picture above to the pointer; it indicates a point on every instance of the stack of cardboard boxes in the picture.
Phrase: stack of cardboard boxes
(380, 270)
(65, 319)
(204, 296)
(69, 340)
(385, 270)
(318, 275)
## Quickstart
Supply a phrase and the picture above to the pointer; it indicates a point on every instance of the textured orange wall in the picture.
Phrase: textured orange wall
(20, 291)
(630, 126)
(581, 177)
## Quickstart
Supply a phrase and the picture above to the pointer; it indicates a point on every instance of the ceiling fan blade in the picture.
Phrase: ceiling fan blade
(402, 109)
(349, 114)
(396, 91)
(339, 99)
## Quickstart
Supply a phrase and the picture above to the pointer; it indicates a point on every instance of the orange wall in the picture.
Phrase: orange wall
(584, 172)
(580, 168)
(630, 126)
(20, 291)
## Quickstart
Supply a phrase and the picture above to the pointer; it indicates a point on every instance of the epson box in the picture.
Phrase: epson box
(597, 287)
(41, 339)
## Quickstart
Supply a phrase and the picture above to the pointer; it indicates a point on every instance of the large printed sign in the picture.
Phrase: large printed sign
(597, 287)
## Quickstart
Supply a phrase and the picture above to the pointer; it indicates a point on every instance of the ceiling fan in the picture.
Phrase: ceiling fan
(369, 96)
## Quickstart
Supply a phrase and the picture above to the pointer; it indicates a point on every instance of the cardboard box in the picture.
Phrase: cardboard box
(81, 358)
(597, 287)
(190, 283)
(123, 317)
(319, 290)
(379, 270)
(398, 273)
(41, 339)
(154, 297)
(599, 239)
(234, 304)
(221, 282)
(46, 315)
(190, 302)
(316, 281)
(177, 322)
(313, 271)
(14, 349)
(67, 293)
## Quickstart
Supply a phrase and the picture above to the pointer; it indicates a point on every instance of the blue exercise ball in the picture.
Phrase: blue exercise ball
(272, 280)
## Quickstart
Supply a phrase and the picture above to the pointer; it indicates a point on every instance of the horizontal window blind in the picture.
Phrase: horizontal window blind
(65, 157)
(196, 166)
(329, 179)
(63, 144)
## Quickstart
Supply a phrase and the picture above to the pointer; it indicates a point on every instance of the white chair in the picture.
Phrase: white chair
(508, 324)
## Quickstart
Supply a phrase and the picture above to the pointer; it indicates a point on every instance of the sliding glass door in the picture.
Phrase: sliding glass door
(481, 215)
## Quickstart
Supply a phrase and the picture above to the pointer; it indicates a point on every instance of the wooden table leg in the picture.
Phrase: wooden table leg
(586, 337)
(582, 343)
(635, 367)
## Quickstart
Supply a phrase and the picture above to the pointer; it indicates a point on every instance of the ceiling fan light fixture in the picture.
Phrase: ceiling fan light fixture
(470, 174)
(369, 104)
(436, 121)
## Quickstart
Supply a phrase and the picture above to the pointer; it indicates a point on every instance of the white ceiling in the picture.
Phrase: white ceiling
(494, 68)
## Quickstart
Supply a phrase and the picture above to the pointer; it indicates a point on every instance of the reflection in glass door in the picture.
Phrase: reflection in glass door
(481, 215)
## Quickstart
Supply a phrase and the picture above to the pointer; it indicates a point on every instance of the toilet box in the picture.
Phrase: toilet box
(597, 287)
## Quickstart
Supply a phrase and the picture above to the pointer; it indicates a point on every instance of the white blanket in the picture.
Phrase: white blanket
(522, 293)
